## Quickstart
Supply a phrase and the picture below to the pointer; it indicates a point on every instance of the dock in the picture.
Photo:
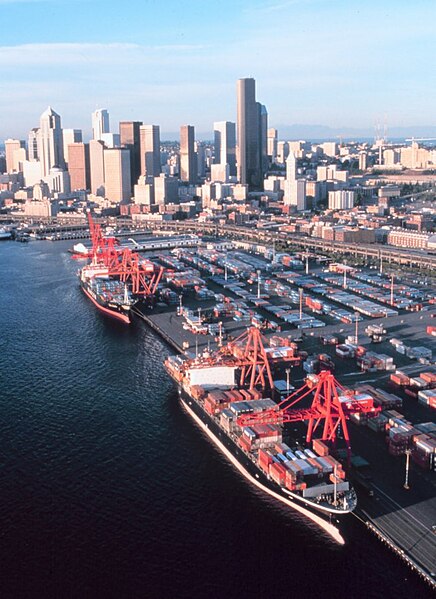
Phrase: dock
(402, 520)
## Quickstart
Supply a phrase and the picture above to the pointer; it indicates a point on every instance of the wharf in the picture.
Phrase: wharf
(402, 519)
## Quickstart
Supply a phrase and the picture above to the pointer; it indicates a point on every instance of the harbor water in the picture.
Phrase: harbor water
(108, 488)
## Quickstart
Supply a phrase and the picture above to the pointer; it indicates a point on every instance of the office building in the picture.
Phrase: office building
(149, 142)
(363, 161)
(100, 123)
(263, 131)
(200, 152)
(130, 139)
(111, 140)
(32, 145)
(225, 146)
(249, 115)
(96, 162)
(188, 162)
(295, 189)
(282, 152)
(166, 190)
(13, 156)
(117, 182)
(50, 142)
(70, 136)
(272, 145)
(79, 166)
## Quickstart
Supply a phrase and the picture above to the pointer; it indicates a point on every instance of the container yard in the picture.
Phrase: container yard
(375, 335)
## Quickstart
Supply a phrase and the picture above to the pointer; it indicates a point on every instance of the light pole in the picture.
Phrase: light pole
(288, 372)
(406, 481)
(258, 284)
(356, 332)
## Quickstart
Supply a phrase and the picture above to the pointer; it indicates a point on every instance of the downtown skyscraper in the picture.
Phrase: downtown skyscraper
(50, 142)
(251, 134)
(188, 157)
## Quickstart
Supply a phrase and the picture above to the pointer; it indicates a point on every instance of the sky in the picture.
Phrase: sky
(339, 63)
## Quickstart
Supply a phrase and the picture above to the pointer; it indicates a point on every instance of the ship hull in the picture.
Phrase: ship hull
(327, 520)
(117, 314)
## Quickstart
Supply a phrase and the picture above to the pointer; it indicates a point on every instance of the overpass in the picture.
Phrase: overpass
(376, 252)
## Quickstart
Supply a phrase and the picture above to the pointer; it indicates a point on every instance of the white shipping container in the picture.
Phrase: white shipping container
(213, 376)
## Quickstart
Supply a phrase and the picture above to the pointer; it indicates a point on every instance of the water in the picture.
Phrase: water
(108, 489)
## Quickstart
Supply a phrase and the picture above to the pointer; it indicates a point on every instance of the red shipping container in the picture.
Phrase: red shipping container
(320, 447)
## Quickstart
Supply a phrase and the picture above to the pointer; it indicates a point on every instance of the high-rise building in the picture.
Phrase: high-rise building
(188, 162)
(79, 166)
(32, 145)
(117, 182)
(295, 189)
(150, 150)
(282, 152)
(272, 145)
(130, 139)
(70, 136)
(225, 145)
(200, 152)
(165, 190)
(249, 127)
(12, 156)
(96, 162)
(100, 123)
(50, 142)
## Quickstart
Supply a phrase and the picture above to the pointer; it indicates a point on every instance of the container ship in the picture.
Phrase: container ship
(250, 430)
(111, 296)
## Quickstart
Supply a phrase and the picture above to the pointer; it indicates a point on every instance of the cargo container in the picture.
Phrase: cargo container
(319, 447)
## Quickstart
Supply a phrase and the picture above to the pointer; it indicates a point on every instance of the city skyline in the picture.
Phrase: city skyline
(315, 62)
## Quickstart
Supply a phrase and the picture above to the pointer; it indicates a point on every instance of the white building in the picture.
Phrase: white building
(341, 200)
(50, 142)
(100, 123)
(225, 145)
(295, 189)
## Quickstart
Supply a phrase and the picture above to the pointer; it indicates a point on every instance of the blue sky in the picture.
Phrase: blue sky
(332, 62)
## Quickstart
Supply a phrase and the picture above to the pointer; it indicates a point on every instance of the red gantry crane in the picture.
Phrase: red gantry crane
(142, 276)
(332, 405)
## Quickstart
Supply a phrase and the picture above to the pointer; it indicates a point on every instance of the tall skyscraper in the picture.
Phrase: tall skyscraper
(150, 150)
(117, 182)
(70, 136)
(96, 161)
(249, 155)
(130, 139)
(79, 166)
(50, 141)
(188, 162)
(11, 147)
(100, 123)
(225, 145)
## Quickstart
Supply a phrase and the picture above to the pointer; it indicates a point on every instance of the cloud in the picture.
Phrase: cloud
(92, 53)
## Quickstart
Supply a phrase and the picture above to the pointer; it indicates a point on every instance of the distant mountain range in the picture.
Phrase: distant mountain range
(324, 133)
